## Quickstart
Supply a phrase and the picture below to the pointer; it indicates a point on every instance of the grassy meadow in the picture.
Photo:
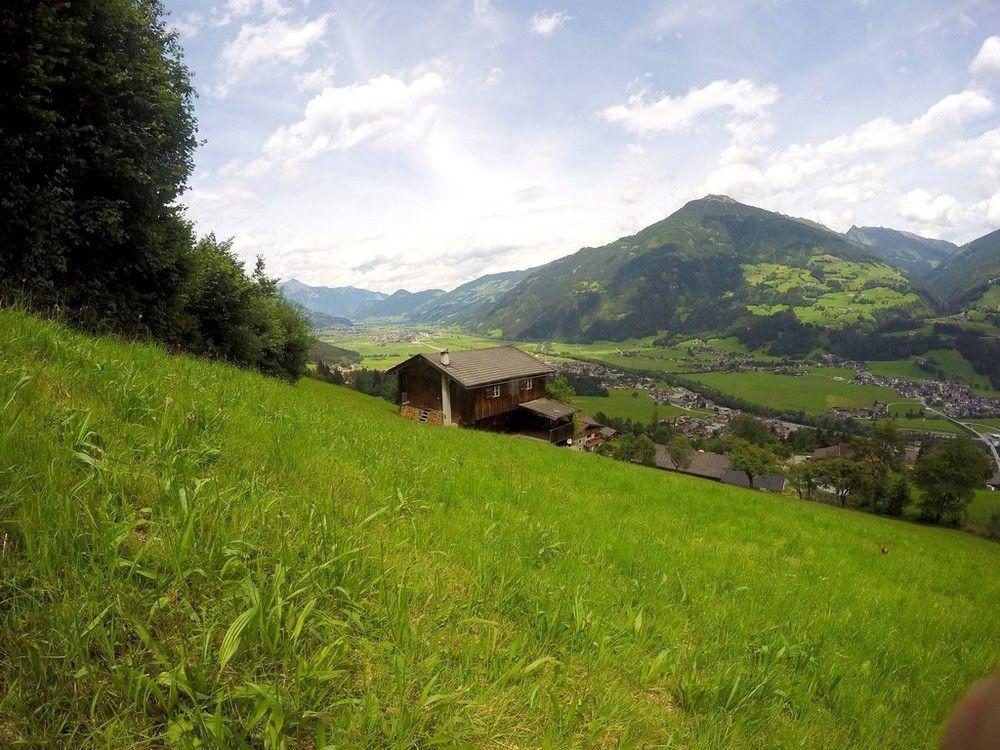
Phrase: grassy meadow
(193, 555)
(951, 361)
(379, 354)
(816, 391)
(621, 403)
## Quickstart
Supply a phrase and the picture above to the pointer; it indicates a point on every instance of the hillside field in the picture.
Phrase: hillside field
(621, 403)
(815, 392)
(193, 554)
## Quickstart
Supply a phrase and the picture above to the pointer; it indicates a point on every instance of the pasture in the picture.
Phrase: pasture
(194, 555)
(816, 391)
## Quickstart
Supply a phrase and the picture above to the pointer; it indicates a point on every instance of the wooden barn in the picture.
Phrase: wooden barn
(500, 389)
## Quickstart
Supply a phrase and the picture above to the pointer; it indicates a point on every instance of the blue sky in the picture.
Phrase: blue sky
(420, 144)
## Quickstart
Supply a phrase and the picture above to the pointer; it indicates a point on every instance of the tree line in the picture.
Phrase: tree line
(97, 136)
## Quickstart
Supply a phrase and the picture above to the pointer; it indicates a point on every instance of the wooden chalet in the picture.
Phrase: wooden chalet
(500, 389)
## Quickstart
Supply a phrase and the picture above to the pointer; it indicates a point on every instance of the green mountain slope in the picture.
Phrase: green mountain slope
(398, 306)
(904, 250)
(705, 268)
(195, 555)
(968, 273)
(468, 300)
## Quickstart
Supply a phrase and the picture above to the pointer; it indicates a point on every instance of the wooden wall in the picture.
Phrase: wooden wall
(421, 384)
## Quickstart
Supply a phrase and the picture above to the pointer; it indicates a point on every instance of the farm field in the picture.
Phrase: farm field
(620, 403)
(981, 510)
(953, 363)
(382, 356)
(195, 554)
(815, 392)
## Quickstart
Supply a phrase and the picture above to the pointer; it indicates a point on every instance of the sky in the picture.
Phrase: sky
(419, 144)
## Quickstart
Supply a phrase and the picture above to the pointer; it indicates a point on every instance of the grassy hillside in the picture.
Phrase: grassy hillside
(967, 273)
(191, 551)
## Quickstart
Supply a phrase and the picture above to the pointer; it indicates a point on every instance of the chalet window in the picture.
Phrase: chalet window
(526, 385)
(493, 391)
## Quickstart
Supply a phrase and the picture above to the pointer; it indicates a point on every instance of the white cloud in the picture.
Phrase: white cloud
(743, 98)
(242, 8)
(927, 209)
(189, 25)
(545, 23)
(981, 154)
(275, 41)
(494, 77)
(315, 80)
(986, 65)
(384, 109)
(859, 158)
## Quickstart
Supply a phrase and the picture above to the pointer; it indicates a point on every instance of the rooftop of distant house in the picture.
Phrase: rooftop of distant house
(477, 367)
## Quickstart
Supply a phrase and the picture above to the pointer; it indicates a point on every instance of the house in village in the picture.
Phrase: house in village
(593, 433)
(501, 389)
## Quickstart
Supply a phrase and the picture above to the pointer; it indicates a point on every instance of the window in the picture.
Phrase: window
(493, 391)
(527, 385)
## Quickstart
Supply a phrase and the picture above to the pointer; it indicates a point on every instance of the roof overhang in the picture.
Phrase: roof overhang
(549, 408)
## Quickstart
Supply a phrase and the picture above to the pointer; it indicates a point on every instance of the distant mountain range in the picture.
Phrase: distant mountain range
(910, 252)
(462, 304)
(714, 266)
(340, 302)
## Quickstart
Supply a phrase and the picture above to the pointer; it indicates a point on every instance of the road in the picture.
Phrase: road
(979, 435)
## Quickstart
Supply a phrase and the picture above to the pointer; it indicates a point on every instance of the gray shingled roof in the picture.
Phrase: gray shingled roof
(709, 465)
(549, 408)
(476, 367)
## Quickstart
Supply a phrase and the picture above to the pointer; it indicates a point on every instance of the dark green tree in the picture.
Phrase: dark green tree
(948, 475)
(97, 133)
(680, 450)
(840, 474)
(803, 477)
(755, 460)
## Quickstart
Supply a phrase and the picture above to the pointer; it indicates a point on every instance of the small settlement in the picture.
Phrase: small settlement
(502, 389)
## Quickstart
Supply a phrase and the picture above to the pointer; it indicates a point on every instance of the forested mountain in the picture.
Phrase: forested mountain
(907, 251)
(469, 299)
(398, 306)
(970, 272)
(713, 265)
(340, 302)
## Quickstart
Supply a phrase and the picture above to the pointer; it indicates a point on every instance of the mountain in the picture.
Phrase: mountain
(910, 252)
(710, 266)
(341, 301)
(466, 301)
(319, 320)
(970, 272)
(398, 306)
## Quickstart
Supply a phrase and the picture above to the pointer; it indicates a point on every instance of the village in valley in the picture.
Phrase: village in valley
(925, 410)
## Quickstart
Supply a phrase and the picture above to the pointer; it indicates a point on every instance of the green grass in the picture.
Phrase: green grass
(983, 506)
(952, 362)
(382, 356)
(620, 403)
(191, 552)
(815, 392)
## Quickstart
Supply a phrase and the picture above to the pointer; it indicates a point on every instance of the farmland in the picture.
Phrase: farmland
(950, 361)
(195, 554)
(621, 403)
(816, 391)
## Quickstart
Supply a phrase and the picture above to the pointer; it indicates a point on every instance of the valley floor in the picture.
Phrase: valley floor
(194, 553)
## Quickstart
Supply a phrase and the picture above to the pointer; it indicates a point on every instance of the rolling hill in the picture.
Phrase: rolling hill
(195, 555)
(969, 272)
(705, 268)
(909, 252)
